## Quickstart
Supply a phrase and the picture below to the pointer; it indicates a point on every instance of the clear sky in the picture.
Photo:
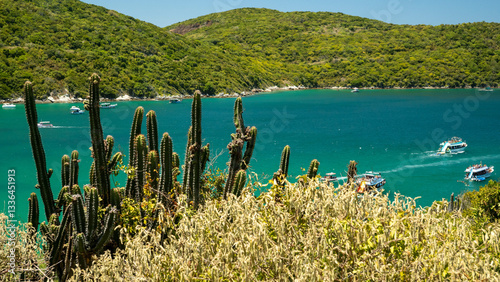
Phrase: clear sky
(434, 12)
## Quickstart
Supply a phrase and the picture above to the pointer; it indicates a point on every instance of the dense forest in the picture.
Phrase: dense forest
(57, 43)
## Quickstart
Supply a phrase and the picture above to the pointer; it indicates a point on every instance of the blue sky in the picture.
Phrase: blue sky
(434, 12)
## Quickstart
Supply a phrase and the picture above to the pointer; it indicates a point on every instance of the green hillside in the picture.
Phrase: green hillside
(58, 44)
(325, 49)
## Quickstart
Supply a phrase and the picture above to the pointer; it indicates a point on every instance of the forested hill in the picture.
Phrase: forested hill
(58, 44)
(324, 49)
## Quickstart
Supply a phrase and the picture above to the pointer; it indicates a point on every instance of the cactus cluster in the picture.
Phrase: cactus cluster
(82, 232)
(239, 161)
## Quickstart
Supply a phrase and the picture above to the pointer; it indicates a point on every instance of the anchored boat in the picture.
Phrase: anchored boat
(76, 110)
(478, 172)
(174, 101)
(8, 106)
(454, 145)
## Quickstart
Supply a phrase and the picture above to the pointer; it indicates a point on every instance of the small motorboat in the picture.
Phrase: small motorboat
(8, 106)
(174, 101)
(354, 90)
(76, 110)
(454, 145)
(44, 124)
(329, 177)
(107, 105)
(478, 172)
(370, 181)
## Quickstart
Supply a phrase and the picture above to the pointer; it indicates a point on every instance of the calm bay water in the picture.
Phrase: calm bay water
(395, 132)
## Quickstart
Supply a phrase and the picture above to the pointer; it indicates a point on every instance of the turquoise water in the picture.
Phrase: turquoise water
(395, 132)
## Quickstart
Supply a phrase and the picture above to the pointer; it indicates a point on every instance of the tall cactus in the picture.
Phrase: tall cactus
(152, 129)
(65, 170)
(38, 152)
(73, 169)
(239, 159)
(96, 135)
(134, 131)
(140, 151)
(313, 169)
(166, 179)
(196, 147)
(186, 177)
(285, 159)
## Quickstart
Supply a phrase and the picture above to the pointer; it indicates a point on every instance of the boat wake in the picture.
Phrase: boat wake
(64, 126)
(465, 161)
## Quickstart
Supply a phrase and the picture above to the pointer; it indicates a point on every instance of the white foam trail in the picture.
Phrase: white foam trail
(447, 162)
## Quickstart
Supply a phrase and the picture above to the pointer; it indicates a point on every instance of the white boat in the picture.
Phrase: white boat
(8, 106)
(107, 105)
(454, 146)
(76, 110)
(369, 181)
(44, 124)
(329, 177)
(488, 89)
(174, 101)
(478, 172)
(355, 89)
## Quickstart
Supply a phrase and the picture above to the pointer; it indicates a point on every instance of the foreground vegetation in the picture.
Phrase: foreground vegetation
(313, 232)
(55, 44)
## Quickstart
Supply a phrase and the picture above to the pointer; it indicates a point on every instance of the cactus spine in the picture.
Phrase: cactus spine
(98, 149)
(313, 169)
(38, 152)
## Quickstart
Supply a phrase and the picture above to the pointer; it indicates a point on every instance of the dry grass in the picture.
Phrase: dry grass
(312, 233)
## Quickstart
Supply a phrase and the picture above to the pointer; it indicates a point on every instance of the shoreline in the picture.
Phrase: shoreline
(67, 99)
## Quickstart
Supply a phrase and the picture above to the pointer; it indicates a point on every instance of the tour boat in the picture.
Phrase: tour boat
(454, 145)
(355, 89)
(8, 106)
(76, 110)
(478, 172)
(370, 181)
(174, 101)
(329, 177)
(107, 105)
(44, 124)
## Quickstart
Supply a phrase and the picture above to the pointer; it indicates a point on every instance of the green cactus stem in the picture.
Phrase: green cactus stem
(73, 169)
(205, 156)
(166, 178)
(238, 116)
(65, 170)
(235, 151)
(250, 145)
(134, 131)
(34, 212)
(96, 134)
(313, 169)
(187, 165)
(196, 147)
(153, 167)
(38, 151)
(152, 129)
(239, 182)
(285, 160)
(140, 149)
(352, 171)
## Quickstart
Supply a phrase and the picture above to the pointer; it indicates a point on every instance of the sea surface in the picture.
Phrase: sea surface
(395, 132)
